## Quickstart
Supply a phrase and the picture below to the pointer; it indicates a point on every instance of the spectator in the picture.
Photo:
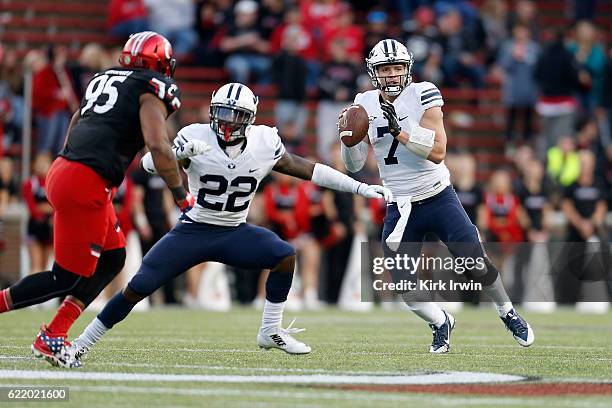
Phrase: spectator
(533, 193)
(11, 91)
(563, 162)
(494, 18)
(210, 22)
(459, 49)
(304, 43)
(525, 13)
(343, 29)
(466, 186)
(342, 209)
(92, 59)
(557, 78)
(584, 205)
(591, 61)
(318, 14)
(49, 101)
(283, 198)
(246, 45)
(175, 20)
(151, 207)
(337, 90)
(126, 17)
(518, 58)
(420, 34)
(605, 116)
(40, 235)
(271, 16)
(502, 216)
(8, 181)
(376, 30)
(289, 71)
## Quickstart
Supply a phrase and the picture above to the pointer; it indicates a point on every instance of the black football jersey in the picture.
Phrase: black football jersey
(108, 135)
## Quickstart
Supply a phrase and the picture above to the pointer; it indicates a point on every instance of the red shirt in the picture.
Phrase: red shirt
(47, 97)
(125, 10)
(307, 48)
(502, 217)
(34, 193)
(352, 36)
(280, 201)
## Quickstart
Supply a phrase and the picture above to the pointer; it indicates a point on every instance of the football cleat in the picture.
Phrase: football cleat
(441, 335)
(70, 357)
(280, 338)
(521, 330)
(48, 346)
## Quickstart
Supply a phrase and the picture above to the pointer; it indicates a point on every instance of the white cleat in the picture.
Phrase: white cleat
(280, 338)
(71, 356)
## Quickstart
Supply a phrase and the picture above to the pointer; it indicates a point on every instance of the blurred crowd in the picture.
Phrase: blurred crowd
(558, 117)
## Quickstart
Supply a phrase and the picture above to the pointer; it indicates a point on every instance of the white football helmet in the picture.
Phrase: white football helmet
(389, 51)
(232, 110)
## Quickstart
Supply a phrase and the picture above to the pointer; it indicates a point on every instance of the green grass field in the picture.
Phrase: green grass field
(569, 348)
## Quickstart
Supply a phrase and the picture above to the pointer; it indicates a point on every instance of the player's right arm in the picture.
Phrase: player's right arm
(325, 176)
(354, 157)
(153, 125)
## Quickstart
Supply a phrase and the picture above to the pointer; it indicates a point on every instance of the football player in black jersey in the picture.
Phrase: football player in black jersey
(123, 109)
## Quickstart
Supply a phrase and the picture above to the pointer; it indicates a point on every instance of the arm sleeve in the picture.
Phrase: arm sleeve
(430, 95)
(166, 90)
(354, 157)
(325, 176)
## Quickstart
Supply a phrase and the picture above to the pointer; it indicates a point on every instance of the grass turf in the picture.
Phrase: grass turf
(569, 346)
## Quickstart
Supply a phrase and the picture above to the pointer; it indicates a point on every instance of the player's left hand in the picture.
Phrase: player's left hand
(186, 203)
(391, 116)
(376, 191)
(191, 148)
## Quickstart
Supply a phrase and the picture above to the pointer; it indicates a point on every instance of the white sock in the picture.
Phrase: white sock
(92, 334)
(272, 315)
(504, 308)
(428, 311)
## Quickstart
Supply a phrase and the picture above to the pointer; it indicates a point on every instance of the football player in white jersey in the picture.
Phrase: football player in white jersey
(407, 134)
(225, 162)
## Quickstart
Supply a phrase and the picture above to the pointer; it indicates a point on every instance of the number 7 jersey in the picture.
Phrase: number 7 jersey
(403, 172)
(224, 187)
(108, 135)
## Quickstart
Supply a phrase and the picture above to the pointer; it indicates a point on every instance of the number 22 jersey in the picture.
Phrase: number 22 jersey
(108, 134)
(224, 187)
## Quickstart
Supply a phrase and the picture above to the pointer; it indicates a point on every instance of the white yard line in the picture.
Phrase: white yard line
(450, 377)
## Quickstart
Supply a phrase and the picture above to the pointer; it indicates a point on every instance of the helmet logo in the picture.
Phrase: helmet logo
(231, 166)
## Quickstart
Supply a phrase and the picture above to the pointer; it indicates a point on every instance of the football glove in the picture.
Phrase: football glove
(375, 191)
(389, 113)
(190, 148)
(186, 203)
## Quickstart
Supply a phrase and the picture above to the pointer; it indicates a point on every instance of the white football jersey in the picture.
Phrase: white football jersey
(402, 171)
(224, 187)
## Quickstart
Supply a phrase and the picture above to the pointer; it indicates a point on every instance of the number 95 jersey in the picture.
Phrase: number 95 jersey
(224, 187)
(108, 135)
(403, 172)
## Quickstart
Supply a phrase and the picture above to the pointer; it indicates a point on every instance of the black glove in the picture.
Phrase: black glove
(389, 113)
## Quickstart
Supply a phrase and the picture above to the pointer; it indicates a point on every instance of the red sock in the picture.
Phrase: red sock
(64, 318)
(4, 303)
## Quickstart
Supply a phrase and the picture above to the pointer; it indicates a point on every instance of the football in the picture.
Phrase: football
(353, 125)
